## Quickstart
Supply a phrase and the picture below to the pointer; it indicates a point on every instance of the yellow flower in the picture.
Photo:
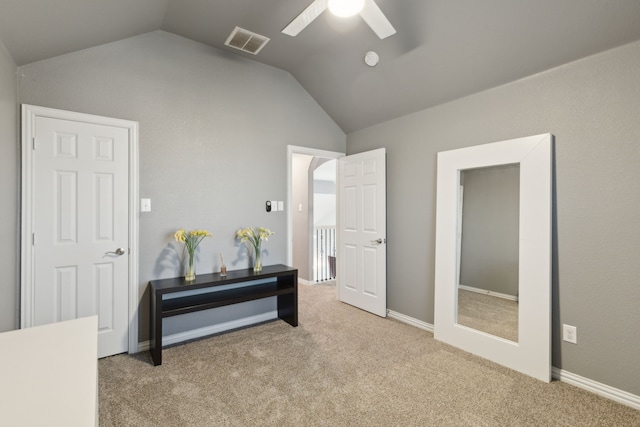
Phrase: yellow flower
(191, 239)
(179, 235)
(248, 234)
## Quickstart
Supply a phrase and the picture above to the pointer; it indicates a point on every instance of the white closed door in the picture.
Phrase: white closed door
(362, 254)
(80, 228)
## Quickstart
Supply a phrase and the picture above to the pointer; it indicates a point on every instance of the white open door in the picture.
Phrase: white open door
(76, 231)
(362, 253)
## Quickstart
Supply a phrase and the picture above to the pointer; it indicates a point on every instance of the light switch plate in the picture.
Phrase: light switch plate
(145, 205)
(280, 205)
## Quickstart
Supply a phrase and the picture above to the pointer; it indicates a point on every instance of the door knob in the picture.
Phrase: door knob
(377, 241)
(119, 251)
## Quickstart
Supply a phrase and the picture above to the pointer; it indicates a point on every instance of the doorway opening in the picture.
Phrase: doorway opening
(312, 214)
(322, 188)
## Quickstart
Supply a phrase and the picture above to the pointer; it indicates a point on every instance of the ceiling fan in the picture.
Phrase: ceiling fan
(368, 9)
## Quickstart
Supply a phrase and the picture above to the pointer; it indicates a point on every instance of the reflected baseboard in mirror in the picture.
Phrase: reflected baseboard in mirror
(518, 265)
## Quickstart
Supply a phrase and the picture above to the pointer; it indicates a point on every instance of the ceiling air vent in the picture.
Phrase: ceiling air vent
(246, 41)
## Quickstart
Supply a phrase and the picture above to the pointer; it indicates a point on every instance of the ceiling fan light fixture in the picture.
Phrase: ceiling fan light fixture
(346, 8)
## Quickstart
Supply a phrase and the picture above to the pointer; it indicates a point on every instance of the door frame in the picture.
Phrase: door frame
(291, 150)
(29, 114)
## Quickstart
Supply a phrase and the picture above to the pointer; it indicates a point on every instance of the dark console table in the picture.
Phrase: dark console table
(284, 286)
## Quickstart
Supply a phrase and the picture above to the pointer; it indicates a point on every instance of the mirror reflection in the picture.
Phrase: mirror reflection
(488, 224)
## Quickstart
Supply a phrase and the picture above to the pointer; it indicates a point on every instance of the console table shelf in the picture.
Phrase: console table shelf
(284, 287)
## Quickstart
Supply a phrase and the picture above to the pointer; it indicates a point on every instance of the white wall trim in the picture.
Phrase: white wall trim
(600, 389)
(212, 329)
(490, 293)
(587, 384)
(410, 320)
(312, 283)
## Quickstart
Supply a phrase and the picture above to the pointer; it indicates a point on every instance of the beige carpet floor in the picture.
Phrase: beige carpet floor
(340, 367)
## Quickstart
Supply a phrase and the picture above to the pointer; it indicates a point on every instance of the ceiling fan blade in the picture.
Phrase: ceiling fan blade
(307, 16)
(379, 23)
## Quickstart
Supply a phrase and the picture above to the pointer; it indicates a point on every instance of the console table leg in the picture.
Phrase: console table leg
(288, 309)
(156, 330)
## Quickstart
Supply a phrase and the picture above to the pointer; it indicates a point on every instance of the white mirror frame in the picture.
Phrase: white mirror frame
(531, 355)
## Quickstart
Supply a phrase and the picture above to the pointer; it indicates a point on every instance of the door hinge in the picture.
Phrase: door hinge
(33, 142)
(33, 239)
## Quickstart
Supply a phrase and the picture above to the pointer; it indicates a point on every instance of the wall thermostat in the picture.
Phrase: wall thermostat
(268, 205)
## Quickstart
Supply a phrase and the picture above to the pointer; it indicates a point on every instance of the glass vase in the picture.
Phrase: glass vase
(257, 265)
(190, 274)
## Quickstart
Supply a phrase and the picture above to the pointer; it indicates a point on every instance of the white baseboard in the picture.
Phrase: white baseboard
(311, 283)
(210, 330)
(587, 384)
(600, 389)
(410, 320)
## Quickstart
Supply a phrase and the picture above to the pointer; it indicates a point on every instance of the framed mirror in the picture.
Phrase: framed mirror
(493, 252)
(489, 230)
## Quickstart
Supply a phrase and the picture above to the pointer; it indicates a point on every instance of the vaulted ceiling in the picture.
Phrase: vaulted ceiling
(443, 49)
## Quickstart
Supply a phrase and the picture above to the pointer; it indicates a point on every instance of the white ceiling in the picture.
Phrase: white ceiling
(443, 49)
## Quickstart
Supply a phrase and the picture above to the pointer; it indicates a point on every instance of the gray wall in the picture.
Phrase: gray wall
(592, 107)
(9, 208)
(490, 229)
(214, 130)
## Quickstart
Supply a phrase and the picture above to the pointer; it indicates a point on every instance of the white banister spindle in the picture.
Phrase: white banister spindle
(323, 248)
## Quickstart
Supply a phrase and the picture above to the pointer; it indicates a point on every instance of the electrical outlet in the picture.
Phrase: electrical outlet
(570, 334)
